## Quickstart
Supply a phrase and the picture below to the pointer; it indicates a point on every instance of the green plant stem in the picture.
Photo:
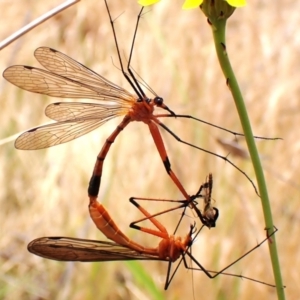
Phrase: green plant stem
(218, 29)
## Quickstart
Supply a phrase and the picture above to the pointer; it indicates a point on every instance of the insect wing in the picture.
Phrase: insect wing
(55, 134)
(65, 78)
(65, 111)
(61, 64)
(72, 249)
(43, 82)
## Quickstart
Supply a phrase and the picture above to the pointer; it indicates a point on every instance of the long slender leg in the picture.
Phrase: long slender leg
(134, 202)
(204, 150)
(207, 272)
(161, 232)
(208, 217)
(212, 125)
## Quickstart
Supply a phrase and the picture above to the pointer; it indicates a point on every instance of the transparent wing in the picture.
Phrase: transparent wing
(63, 111)
(61, 64)
(66, 78)
(72, 249)
(56, 133)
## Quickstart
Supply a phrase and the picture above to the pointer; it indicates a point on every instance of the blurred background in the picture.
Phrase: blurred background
(44, 193)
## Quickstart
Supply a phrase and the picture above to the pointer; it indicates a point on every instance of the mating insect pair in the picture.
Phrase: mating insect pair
(67, 78)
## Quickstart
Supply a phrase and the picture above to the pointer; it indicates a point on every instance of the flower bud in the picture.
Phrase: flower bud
(216, 9)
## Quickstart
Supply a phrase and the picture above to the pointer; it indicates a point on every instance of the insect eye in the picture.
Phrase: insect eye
(158, 101)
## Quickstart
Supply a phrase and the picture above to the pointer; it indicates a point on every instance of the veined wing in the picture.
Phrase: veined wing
(64, 111)
(61, 64)
(56, 133)
(73, 249)
(49, 83)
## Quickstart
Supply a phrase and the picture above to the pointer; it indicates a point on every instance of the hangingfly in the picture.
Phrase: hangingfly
(169, 249)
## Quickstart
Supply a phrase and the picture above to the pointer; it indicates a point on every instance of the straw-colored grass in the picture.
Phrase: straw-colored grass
(44, 193)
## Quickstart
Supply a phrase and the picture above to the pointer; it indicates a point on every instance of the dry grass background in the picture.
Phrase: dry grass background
(44, 193)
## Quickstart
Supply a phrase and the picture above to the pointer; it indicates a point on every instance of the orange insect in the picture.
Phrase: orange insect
(67, 78)
(169, 249)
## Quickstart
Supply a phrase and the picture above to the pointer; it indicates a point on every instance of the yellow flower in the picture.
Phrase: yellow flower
(190, 4)
(237, 3)
(147, 2)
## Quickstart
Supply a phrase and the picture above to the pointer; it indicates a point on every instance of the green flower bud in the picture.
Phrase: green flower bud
(216, 9)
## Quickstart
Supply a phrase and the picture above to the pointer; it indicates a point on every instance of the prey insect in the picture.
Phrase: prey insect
(66, 78)
(169, 249)
(208, 215)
